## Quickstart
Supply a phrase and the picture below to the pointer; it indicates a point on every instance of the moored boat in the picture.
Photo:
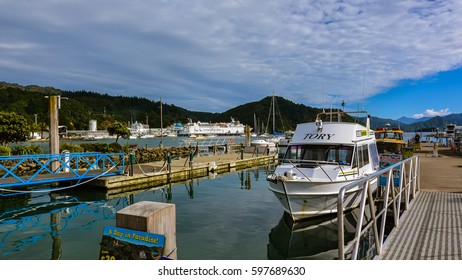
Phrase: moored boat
(322, 158)
(263, 145)
(284, 143)
(389, 140)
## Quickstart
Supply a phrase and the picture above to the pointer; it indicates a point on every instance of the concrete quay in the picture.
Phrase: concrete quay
(153, 174)
(442, 173)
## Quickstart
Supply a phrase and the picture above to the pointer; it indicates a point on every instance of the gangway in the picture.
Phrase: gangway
(391, 198)
(25, 170)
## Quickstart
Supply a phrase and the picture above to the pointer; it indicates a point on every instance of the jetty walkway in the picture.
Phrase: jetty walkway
(162, 173)
(431, 229)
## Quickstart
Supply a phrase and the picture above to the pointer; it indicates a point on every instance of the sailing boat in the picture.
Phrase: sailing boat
(266, 140)
(275, 137)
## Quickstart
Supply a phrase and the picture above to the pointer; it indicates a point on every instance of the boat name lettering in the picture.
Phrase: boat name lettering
(318, 136)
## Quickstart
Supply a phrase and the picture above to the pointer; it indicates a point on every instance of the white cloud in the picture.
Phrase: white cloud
(432, 113)
(229, 51)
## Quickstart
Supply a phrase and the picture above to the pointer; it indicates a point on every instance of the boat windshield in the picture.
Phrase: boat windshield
(389, 135)
(327, 153)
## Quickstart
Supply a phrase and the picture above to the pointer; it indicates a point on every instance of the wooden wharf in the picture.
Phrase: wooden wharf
(154, 174)
(431, 229)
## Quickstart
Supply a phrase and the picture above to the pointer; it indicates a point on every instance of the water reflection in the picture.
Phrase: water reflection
(314, 238)
(27, 220)
(228, 217)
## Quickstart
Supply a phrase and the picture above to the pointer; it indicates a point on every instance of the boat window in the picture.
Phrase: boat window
(333, 153)
(375, 156)
(389, 135)
(380, 135)
(362, 157)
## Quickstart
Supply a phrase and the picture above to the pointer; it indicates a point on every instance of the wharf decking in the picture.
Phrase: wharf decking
(155, 174)
(431, 229)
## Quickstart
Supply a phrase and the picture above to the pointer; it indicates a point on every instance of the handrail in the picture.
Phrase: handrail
(409, 185)
(22, 170)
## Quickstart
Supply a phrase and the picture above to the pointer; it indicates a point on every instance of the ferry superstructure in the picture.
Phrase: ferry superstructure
(207, 129)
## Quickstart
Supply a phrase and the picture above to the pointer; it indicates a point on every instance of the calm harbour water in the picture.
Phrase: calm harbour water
(229, 217)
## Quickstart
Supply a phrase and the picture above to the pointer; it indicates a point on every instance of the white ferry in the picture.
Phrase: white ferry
(207, 129)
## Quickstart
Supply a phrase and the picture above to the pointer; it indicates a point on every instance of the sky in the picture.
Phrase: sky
(390, 58)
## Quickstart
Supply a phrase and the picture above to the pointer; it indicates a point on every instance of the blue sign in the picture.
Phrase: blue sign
(126, 244)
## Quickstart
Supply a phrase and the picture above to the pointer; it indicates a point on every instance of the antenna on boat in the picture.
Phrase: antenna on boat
(323, 91)
(364, 85)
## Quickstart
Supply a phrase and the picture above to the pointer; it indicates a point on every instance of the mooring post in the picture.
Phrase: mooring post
(132, 161)
(191, 159)
(435, 149)
(152, 217)
(169, 167)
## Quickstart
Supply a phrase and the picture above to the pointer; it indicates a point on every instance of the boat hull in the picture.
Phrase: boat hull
(306, 199)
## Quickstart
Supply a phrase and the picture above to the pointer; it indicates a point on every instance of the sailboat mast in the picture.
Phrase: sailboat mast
(255, 124)
(274, 119)
(161, 126)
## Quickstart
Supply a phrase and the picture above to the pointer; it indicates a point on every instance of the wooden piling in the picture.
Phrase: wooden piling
(153, 217)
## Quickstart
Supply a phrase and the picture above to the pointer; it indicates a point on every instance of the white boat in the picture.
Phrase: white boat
(263, 145)
(322, 158)
(284, 143)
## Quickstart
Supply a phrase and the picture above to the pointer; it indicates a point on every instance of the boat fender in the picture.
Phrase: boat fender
(212, 167)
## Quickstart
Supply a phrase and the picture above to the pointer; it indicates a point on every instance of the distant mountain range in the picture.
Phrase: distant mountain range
(83, 106)
(406, 120)
(423, 124)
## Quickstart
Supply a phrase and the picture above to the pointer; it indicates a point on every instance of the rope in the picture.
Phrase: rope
(146, 174)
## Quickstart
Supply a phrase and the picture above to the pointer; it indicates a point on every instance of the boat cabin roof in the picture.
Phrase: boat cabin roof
(341, 133)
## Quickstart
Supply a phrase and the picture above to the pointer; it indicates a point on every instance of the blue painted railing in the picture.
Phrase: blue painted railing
(23, 170)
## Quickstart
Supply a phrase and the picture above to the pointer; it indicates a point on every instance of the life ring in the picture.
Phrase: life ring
(231, 140)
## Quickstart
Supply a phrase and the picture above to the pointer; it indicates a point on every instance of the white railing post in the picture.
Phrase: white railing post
(406, 182)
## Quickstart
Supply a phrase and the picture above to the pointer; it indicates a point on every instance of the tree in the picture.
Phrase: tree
(42, 126)
(13, 128)
(119, 130)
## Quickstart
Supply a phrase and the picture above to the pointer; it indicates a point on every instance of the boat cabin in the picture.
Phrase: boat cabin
(339, 143)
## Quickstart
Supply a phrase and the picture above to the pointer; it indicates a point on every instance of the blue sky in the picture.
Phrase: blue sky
(392, 58)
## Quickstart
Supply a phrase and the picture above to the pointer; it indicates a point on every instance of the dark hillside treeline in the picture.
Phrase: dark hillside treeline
(82, 106)
(79, 107)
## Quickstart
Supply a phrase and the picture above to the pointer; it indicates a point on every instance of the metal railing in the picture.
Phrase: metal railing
(22, 170)
(391, 196)
(207, 142)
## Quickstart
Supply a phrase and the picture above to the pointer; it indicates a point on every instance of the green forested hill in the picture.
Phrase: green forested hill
(81, 106)
(286, 114)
